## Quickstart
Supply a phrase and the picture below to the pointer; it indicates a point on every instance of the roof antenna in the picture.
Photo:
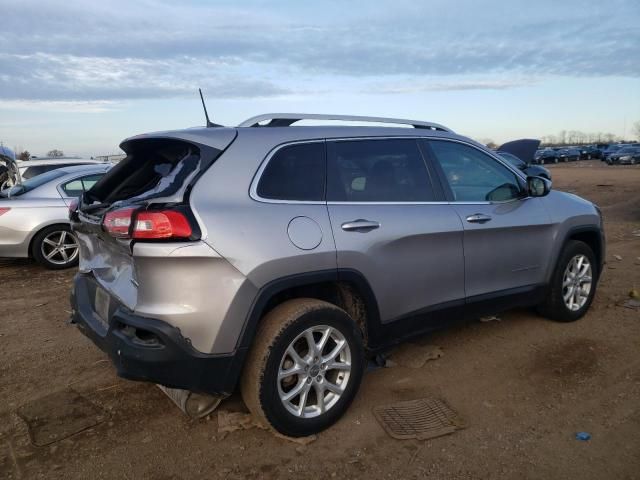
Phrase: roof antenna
(206, 115)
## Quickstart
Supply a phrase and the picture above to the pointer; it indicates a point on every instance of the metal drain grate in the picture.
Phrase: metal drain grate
(420, 419)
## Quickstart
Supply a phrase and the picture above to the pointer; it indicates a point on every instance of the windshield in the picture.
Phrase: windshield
(512, 159)
(628, 150)
(613, 148)
(32, 183)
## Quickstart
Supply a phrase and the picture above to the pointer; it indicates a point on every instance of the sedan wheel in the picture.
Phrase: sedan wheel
(56, 248)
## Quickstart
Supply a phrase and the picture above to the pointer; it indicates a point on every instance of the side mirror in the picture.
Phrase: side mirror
(538, 186)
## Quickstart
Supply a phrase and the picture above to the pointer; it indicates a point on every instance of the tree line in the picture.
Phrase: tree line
(25, 155)
(576, 137)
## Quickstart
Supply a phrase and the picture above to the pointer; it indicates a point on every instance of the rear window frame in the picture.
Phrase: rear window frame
(65, 194)
(253, 189)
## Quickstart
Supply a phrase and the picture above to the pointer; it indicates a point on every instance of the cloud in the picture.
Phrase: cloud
(88, 51)
(44, 76)
(94, 106)
(453, 84)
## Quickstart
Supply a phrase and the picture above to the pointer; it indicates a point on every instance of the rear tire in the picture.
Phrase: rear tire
(55, 247)
(322, 387)
(573, 284)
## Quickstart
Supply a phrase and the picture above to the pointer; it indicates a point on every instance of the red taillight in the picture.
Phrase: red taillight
(118, 222)
(4, 210)
(147, 224)
(161, 224)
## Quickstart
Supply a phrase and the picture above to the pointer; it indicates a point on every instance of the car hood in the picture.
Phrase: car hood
(524, 149)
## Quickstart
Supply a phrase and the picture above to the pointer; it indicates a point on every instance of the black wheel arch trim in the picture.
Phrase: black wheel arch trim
(273, 288)
(601, 244)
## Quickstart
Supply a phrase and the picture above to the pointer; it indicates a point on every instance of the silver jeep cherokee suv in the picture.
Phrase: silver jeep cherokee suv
(277, 258)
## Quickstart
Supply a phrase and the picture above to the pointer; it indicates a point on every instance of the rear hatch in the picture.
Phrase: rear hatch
(144, 198)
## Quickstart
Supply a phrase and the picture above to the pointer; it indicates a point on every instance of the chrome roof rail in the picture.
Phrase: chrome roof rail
(287, 119)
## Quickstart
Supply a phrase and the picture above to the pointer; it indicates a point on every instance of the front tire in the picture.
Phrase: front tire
(305, 367)
(55, 247)
(573, 284)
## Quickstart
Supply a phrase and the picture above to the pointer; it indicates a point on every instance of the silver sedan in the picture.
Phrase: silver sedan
(34, 215)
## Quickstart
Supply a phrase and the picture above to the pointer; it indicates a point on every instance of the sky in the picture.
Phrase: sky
(80, 76)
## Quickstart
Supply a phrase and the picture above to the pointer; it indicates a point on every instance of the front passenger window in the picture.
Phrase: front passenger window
(474, 176)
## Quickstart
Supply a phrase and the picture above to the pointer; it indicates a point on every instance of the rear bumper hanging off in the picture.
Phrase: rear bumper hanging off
(148, 349)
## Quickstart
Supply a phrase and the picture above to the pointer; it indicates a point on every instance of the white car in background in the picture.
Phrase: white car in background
(31, 168)
(34, 215)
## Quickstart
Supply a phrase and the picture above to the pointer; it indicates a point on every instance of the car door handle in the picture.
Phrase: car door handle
(360, 225)
(478, 218)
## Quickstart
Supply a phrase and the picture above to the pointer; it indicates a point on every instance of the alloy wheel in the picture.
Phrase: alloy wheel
(59, 247)
(576, 282)
(314, 371)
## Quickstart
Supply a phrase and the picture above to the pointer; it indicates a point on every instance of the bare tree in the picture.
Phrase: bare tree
(55, 153)
(489, 143)
(562, 137)
(24, 155)
(636, 129)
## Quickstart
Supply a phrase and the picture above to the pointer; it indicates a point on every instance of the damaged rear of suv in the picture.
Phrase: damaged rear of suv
(275, 259)
(143, 263)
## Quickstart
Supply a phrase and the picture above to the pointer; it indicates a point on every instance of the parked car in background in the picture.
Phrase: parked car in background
(277, 259)
(34, 215)
(611, 149)
(529, 169)
(627, 155)
(568, 154)
(544, 156)
(32, 168)
(589, 152)
(520, 154)
(7, 165)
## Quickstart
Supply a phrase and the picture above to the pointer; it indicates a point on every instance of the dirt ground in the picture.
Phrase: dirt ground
(523, 385)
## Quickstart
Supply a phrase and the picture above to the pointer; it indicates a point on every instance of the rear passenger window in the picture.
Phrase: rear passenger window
(377, 171)
(295, 172)
(90, 180)
(73, 188)
(31, 172)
